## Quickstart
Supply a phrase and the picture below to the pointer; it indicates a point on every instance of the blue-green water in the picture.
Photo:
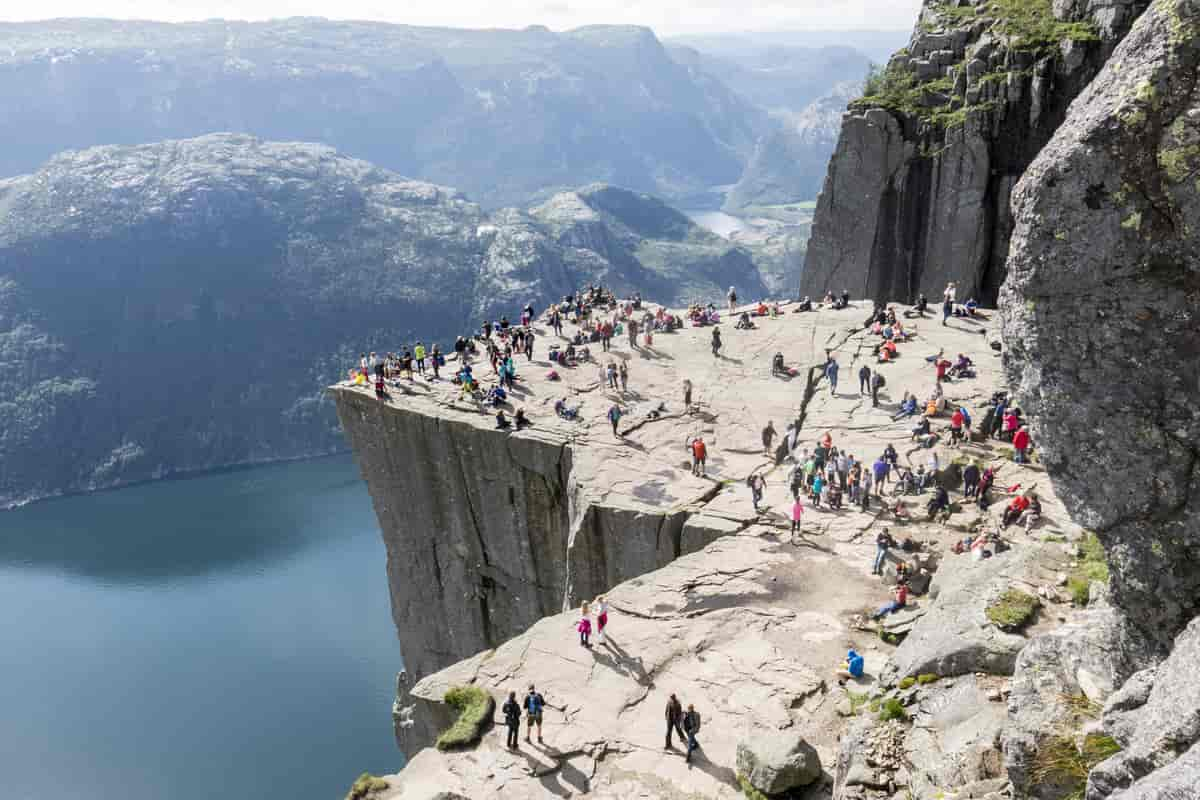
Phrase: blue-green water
(226, 636)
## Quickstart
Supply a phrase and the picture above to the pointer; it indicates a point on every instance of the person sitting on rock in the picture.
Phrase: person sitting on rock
(502, 422)
(521, 420)
(565, 411)
(777, 365)
(908, 406)
(1015, 509)
(805, 305)
(744, 323)
(850, 669)
(900, 601)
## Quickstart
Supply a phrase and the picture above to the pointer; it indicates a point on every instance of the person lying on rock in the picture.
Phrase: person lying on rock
(900, 601)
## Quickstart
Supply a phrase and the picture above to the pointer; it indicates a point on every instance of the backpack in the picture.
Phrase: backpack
(535, 703)
(882, 380)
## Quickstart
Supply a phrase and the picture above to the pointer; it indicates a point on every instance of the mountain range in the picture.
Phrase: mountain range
(180, 306)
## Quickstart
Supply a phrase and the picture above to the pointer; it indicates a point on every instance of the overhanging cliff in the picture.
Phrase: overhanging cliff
(917, 191)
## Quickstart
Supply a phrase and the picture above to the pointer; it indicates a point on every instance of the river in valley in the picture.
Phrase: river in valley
(224, 636)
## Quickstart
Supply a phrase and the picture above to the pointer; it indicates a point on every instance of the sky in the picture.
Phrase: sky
(667, 17)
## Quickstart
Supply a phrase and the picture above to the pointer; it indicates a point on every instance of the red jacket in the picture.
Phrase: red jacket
(698, 449)
(1021, 440)
(957, 420)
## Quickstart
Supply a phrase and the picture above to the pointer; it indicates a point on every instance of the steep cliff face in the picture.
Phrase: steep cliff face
(1103, 346)
(487, 532)
(917, 190)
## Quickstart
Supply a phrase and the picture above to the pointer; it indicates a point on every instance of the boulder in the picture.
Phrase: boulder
(778, 761)
(955, 637)
(955, 740)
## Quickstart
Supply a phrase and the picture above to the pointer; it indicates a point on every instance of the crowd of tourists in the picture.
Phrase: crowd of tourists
(821, 475)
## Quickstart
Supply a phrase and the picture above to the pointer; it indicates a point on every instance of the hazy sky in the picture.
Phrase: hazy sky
(665, 16)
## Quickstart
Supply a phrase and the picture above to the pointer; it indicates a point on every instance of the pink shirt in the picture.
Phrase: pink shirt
(797, 511)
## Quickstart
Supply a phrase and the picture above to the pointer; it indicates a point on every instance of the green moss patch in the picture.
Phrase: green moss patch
(907, 683)
(748, 788)
(475, 708)
(892, 709)
(1012, 610)
(1092, 566)
(366, 785)
(928, 677)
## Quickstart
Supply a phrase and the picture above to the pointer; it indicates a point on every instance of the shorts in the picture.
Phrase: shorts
(534, 718)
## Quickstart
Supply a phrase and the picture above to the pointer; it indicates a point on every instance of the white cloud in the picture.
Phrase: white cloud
(665, 16)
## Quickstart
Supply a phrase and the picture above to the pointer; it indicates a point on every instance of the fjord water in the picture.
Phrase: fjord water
(227, 635)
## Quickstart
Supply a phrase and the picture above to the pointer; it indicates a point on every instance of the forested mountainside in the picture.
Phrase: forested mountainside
(181, 305)
(503, 115)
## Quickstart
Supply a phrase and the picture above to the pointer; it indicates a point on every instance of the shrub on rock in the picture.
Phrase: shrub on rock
(475, 708)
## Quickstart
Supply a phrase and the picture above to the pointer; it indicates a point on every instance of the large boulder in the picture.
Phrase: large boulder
(1156, 733)
(778, 761)
(955, 636)
(1099, 314)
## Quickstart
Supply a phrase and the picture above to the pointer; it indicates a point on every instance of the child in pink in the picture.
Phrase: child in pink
(797, 513)
(585, 630)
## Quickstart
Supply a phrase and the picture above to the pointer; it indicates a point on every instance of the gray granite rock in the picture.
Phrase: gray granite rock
(777, 761)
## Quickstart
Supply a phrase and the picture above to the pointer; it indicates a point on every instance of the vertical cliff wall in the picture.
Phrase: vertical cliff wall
(486, 531)
(917, 190)
(1102, 337)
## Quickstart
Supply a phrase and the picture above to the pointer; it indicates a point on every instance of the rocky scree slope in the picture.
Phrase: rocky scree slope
(503, 115)
(179, 306)
(1102, 344)
(917, 192)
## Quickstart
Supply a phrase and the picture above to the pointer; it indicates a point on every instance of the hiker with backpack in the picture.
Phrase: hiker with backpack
(691, 726)
(534, 704)
(512, 720)
(877, 383)
(757, 484)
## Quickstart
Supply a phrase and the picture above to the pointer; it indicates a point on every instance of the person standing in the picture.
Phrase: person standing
(691, 726)
(716, 341)
(633, 331)
(883, 542)
(864, 380)
(768, 436)
(674, 718)
(876, 382)
(534, 703)
(880, 469)
(529, 345)
(687, 395)
(970, 479)
(623, 372)
(947, 309)
(757, 483)
(1021, 445)
(699, 456)
(512, 720)
(585, 629)
(732, 297)
(831, 372)
(797, 510)
(419, 355)
(601, 616)
(614, 416)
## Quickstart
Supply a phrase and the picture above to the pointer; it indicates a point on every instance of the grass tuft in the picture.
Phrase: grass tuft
(927, 677)
(475, 708)
(1093, 566)
(857, 700)
(907, 683)
(1060, 763)
(892, 709)
(1012, 610)
(366, 785)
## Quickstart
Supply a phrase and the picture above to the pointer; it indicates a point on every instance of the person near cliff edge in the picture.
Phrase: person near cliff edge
(674, 716)
(534, 703)
(512, 720)
(691, 726)
(419, 355)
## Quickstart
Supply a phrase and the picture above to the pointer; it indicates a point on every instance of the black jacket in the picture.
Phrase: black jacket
(691, 722)
(512, 713)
